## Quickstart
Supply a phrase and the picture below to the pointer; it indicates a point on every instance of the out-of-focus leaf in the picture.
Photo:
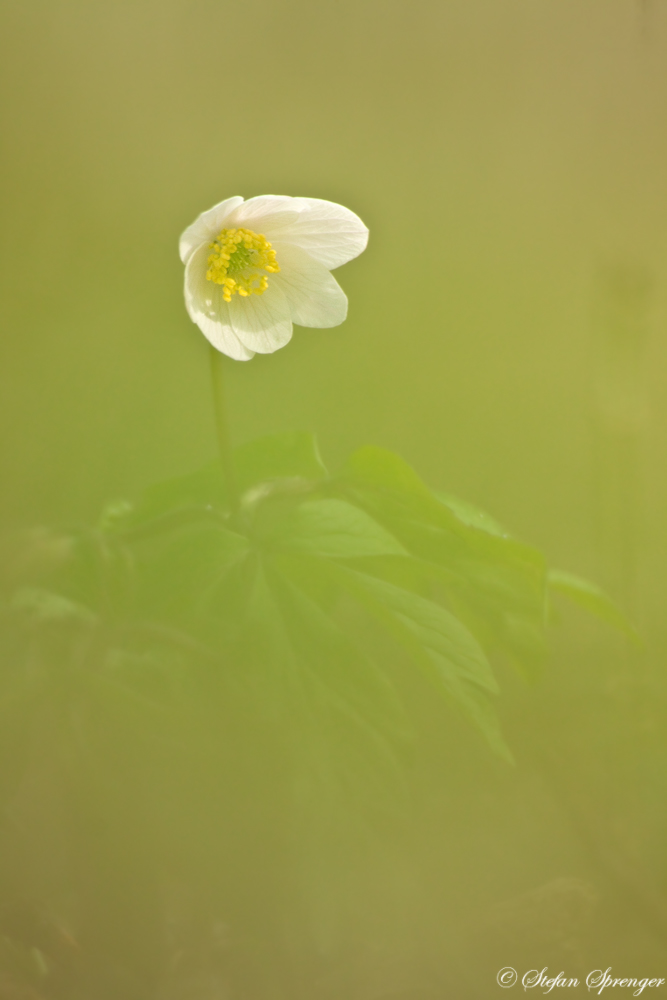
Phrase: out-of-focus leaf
(339, 670)
(277, 456)
(384, 475)
(180, 570)
(201, 489)
(383, 469)
(98, 572)
(394, 494)
(115, 513)
(481, 713)
(44, 607)
(341, 712)
(471, 515)
(289, 455)
(435, 628)
(524, 640)
(594, 600)
(495, 582)
(438, 643)
(335, 529)
(288, 594)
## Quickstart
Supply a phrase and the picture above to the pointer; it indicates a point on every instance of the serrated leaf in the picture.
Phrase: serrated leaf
(437, 630)
(471, 515)
(496, 583)
(380, 477)
(481, 713)
(335, 529)
(391, 491)
(593, 599)
(179, 570)
(303, 669)
(437, 642)
(358, 686)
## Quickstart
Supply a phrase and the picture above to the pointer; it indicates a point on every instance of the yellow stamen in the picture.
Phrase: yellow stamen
(238, 257)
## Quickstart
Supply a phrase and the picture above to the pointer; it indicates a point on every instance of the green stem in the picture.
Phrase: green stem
(222, 429)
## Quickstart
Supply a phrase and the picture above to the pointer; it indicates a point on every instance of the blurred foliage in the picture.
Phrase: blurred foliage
(191, 674)
(525, 146)
(286, 591)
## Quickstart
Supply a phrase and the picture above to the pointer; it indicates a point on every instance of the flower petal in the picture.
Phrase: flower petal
(253, 212)
(314, 296)
(262, 322)
(331, 233)
(206, 226)
(207, 308)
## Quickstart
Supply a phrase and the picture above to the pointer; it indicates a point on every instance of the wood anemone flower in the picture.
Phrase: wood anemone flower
(253, 268)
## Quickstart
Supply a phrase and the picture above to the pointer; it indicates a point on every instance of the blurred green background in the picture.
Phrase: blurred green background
(505, 335)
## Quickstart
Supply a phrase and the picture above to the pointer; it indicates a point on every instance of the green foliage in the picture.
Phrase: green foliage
(592, 599)
(326, 597)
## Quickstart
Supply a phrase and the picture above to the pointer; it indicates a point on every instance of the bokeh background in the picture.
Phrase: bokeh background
(506, 335)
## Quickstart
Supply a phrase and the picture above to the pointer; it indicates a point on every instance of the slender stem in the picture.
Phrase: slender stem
(222, 429)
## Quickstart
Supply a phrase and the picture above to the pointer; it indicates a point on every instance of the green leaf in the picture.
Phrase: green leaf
(279, 456)
(525, 642)
(114, 515)
(471, 515)
(45, 607)
(437, 630)
(335, 529)
(201, 489)
(359, 687)
(180, 570)
(394, 494)
(290, 455)
(383, 469)
(594, 600)
(437, 642)
(341, 710)
(290, 599)
(495, 582)
(375, 475)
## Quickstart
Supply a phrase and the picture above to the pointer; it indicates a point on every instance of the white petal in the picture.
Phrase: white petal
(331, 233)
(254, 211)
(206, 227)
(207, 308)
(314, 296)
(262, 322)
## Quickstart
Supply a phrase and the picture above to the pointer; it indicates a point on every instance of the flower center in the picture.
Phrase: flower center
(238, 259)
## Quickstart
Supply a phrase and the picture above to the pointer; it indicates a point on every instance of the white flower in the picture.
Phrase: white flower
(252, 268)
